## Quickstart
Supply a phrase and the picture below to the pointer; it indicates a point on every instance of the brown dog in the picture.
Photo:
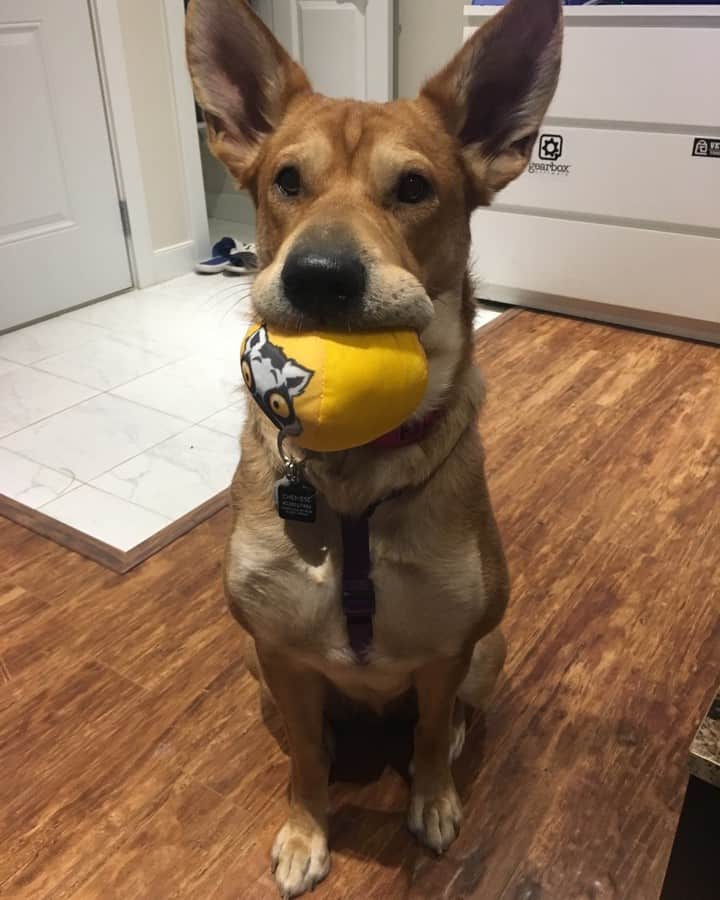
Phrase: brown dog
(363, 223)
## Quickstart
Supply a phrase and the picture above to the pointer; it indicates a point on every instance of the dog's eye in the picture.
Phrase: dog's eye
(288, 181)
(413, 188)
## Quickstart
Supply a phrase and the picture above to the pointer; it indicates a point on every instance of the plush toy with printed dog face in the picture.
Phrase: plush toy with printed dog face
(334, 391)
(273, 379)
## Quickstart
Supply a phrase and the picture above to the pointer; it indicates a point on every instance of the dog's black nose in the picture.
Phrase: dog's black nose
(323, 281)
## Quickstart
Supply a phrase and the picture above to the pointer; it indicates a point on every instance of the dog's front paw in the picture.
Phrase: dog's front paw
(300, 859)
(435, 818)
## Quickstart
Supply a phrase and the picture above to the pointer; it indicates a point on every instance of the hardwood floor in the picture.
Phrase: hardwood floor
(133, 759)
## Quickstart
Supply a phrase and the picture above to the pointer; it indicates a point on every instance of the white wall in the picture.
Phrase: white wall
(430, 33)
(144, 37)
(223, 199)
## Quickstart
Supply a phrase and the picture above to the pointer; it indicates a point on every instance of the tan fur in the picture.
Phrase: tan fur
(440, 577)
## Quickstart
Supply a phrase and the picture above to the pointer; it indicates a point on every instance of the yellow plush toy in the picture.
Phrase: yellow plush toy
(334, 391)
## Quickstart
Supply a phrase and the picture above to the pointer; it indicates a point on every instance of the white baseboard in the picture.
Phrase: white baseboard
(177, 259)
(645, 320)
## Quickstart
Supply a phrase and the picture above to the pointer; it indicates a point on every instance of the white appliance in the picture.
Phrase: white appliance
(618, 216)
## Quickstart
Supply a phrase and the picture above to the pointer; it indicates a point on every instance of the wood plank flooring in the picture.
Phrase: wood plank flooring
(134, 762)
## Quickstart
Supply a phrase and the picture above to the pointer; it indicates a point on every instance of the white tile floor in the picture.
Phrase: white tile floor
(123, 416)
(486, 312)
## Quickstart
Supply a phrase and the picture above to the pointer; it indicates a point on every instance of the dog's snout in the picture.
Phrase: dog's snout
(323, 280)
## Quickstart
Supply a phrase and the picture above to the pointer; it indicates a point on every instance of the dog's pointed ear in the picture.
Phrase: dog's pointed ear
(243, 80)
(494, 94)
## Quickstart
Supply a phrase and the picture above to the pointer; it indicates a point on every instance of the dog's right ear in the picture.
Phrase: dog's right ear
(243, 80)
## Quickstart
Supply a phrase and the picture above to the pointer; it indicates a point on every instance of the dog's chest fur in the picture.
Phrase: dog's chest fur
(285, 585)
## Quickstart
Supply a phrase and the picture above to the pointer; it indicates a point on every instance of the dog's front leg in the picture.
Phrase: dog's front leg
(300, 857)
(435, 810)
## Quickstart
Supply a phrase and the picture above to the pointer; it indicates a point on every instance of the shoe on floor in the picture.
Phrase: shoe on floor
(220, 258)
(243, 261)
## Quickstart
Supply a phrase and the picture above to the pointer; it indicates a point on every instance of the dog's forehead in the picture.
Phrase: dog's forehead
(350, 127)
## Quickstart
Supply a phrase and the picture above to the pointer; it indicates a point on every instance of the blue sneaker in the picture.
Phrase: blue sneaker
(220, 258)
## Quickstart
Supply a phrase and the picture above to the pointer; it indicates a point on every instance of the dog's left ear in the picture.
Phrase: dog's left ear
(494, 93)
(243, 80)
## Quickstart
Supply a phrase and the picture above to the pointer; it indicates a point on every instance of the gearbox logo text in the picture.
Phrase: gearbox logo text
(550, 150)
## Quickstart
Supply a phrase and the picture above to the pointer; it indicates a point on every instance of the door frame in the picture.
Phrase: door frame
(148, 264)
(110, 53)
(187, 127)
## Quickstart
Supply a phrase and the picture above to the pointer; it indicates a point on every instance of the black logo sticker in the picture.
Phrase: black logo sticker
(551, 147)
(706, 147)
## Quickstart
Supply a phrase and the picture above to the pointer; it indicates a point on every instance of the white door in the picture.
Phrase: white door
(61, 234)
(346, 46)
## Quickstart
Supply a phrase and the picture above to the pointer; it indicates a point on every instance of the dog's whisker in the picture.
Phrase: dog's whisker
(226, 294)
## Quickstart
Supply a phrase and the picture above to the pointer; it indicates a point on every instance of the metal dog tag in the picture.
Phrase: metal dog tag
(295, 499)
